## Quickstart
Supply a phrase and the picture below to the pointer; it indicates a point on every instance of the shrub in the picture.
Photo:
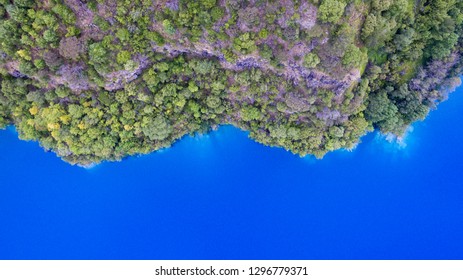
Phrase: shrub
(311, 60)
(331, 10)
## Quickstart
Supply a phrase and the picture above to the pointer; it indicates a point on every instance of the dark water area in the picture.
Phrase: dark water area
(223, 196)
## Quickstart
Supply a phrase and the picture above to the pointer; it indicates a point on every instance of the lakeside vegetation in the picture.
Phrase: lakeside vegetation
(102, 79)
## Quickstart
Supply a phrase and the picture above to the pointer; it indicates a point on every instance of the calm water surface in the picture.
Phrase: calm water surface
(223, 196)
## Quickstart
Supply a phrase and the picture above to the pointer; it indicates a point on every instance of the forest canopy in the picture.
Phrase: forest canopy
(100, 80)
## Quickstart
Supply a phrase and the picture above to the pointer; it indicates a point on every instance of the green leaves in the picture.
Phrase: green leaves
(354, 57)
(168, 27)
(65, 13)
(157, 128)
(140, 76)
(331, 10)
(311, 60)
(97, 53)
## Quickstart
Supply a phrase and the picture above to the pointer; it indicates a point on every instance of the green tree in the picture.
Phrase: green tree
(168, 27)
(157, 128)
(331, 10)
(97, 53)
(311, 60)
(353, 57)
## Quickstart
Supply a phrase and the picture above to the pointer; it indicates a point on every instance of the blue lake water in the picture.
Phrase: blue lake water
(223, 196)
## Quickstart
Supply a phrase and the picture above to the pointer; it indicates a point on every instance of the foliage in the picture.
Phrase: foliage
(100, 80)
(331, 10)
(353, 56)
(311, 60)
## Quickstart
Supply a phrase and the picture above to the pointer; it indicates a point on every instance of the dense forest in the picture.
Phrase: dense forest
(102, 79)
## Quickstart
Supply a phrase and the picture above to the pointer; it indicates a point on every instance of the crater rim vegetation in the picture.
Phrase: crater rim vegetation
(96, 80)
